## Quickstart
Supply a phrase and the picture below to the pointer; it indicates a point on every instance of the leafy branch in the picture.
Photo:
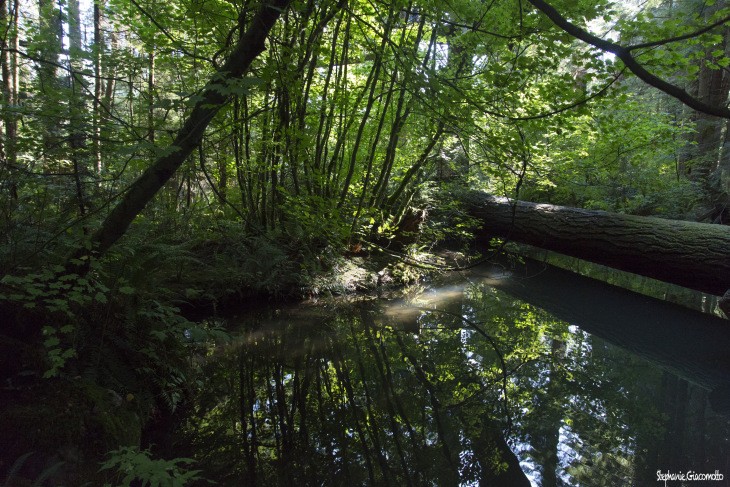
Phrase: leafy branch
(624, 54)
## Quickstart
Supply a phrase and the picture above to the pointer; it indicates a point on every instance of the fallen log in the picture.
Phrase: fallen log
(693, 255)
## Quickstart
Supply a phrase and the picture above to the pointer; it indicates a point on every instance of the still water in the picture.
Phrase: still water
(505, 376)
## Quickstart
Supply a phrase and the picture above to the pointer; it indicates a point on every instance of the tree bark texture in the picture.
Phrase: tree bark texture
(249, 46)
(690, 254)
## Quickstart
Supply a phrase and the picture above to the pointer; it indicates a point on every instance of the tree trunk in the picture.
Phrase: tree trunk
(151, 95)
(9, 72)
(249, 46)
(97, 51)
(490, 443)
(47, 46)
(708, 163)
(77, 105)
(690, 254)
(9, 131)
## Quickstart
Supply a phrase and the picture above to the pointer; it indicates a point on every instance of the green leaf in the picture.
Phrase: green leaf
(126, 290)
(67, 329)
(163, 103)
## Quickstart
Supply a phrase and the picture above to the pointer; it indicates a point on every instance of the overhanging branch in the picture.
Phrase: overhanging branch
(625, 55)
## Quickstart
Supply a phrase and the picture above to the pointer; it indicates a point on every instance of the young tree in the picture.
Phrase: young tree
(214, 96)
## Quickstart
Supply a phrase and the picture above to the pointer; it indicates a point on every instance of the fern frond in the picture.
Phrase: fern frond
(15, 468)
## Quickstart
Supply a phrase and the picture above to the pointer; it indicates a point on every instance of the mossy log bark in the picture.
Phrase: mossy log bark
(693, 255)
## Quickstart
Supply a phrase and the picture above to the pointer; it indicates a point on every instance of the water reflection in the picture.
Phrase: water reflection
(462, 385)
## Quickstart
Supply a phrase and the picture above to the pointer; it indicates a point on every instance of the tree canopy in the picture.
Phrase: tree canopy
(351, 111)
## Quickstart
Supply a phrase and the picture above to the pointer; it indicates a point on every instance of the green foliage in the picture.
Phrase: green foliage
(52, 291)
(57, 355)
(351, 116)
(59, 300)
(131, 464)
(448, 223)
(622, 158)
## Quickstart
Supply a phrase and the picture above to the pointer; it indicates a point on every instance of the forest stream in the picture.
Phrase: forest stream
(497, 376)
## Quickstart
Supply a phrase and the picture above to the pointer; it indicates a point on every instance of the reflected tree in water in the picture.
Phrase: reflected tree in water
(354, 400)
(476, 389)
